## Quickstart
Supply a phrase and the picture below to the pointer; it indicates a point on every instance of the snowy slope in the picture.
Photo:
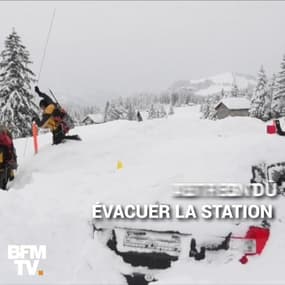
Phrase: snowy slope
(50, 201)
(214, 84)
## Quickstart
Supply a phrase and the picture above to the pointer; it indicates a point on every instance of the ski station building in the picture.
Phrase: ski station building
(93, 119)
(234, 107)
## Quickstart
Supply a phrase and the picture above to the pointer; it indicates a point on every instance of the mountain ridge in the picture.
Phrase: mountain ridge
(211, 85)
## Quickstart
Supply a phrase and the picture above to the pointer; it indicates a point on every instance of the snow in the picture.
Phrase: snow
(235, 103)
(50, 201)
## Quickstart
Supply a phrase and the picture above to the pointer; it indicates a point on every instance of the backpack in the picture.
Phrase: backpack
(6, 147)
(5, 140)
(62, 117)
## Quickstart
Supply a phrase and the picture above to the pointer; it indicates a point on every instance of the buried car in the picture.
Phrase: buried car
(149, 251)
(149, 247)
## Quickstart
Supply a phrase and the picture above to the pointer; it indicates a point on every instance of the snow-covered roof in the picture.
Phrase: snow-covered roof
(96, 118)
(235, 103)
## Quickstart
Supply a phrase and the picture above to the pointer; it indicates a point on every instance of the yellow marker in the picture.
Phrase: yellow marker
(40, 272)
(119, 164)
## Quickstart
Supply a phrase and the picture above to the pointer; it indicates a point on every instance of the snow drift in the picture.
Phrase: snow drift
(50, 201)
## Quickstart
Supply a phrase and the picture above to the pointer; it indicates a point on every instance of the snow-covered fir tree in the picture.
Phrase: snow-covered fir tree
(152, 113)
(79, 112)
(261, 102)
(247, 93)
(16, 99)
(162, 112)
(144, 101)
(156, 111)
(171, 110)
(205, 109)
(115, 112)
(174, 99)
(132, 115)
(208, 107)
(271, 90)
(107, 106)
(278, 100)
(235, 90)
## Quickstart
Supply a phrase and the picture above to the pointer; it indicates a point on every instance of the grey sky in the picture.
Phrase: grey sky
(102, 48)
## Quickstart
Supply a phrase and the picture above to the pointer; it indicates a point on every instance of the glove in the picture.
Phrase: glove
(37, 90)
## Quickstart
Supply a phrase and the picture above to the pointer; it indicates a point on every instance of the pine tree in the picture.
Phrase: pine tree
(171, 110)
(107, 106)
(174, 99)
(115, 112)
(234, 91)
(151, 113)
(131, 113)
(278, 100)
(261, 101)
(162, 112)
(156, 111)
(271, 90)
(247, 93)
(16, 100)
(205, 109)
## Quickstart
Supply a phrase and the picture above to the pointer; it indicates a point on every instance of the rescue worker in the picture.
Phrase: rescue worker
(53, 119)
(139, 116)
(9, 156)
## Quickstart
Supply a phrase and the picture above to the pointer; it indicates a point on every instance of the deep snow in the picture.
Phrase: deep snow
(50, 201)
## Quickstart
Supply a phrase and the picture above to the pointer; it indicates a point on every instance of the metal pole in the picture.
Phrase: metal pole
(45, 49)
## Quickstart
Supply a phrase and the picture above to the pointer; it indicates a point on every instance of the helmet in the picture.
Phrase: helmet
(43, 103)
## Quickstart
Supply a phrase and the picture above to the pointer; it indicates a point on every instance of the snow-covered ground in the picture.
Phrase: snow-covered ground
(50, 201)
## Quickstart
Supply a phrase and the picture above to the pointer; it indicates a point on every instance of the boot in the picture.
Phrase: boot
(11, 175)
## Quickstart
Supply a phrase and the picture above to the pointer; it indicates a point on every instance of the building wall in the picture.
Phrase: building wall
(222, 112)
(239, 113)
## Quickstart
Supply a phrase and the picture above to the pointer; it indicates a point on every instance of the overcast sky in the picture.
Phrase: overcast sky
(102, 48)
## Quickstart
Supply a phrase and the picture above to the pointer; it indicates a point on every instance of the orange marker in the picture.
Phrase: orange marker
(35, 136)
(40, 272)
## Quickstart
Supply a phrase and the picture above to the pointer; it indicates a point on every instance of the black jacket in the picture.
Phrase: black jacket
(47, 114)
(45, 97)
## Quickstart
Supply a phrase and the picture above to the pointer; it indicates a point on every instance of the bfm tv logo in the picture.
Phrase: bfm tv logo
(27, 258)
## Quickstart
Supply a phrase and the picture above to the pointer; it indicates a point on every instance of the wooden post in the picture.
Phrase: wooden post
(35, 136)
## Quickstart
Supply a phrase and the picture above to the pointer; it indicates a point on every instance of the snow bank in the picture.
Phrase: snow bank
(50, 201)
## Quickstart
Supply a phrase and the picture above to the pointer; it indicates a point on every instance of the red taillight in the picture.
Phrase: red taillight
(271, 129)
